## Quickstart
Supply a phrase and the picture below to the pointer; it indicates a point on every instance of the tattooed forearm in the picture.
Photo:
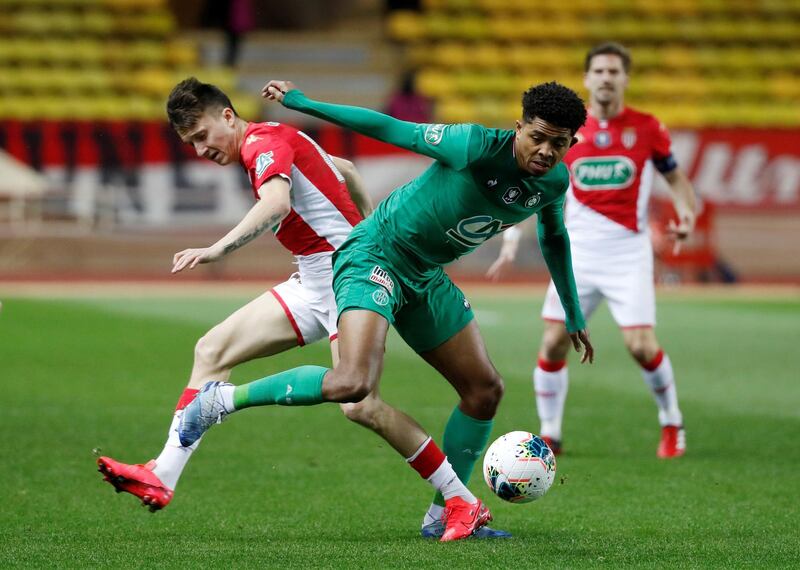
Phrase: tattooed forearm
(253, 234)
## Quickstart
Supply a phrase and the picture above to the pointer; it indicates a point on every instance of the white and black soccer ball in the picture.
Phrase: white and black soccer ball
(519, 467)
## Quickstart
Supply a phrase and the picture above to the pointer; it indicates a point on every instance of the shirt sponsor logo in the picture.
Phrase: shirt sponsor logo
(602, 139)
(474, 231)
(380, 297)
(532, 201)
(381, 277)
(262, 163)
(511, 195)
(603, 172)
(251, 139)
(629, 137)
(434, 134)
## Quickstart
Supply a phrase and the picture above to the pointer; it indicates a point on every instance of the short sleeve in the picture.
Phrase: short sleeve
(266, 159)
(455, 145)
(662, 143)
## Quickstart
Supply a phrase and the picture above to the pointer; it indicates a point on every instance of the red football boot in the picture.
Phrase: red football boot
(673, 442)
(138, 480)
(462, 518)
(553, 444)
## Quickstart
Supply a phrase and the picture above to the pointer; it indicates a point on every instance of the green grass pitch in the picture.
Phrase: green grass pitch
(302, 487)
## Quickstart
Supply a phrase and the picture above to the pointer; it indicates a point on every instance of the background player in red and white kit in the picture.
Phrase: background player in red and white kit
(612, 168)
(302, 196)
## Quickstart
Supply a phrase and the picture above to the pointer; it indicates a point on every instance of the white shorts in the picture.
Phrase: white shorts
(626, 282)
(308, 300)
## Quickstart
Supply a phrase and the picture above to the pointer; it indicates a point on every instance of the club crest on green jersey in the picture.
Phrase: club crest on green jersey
(475, 230)
(380, 297)
(434, 134)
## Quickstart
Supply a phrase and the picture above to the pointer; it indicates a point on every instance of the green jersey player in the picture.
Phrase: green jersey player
(389, 271)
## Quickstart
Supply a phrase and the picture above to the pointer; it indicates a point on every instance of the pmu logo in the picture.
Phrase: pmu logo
(474, 231)
(603, 173)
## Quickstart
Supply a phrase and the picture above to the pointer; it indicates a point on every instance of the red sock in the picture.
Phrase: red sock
(655, 363)
(551, 365)
(427, 458)
(187, 396)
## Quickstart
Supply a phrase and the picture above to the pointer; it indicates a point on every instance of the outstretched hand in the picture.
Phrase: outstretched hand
(276, 89)
(582, 337)
(499, 268)
(192, 257)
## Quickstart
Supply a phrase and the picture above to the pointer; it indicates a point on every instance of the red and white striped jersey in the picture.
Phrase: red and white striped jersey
(322, 214)
(611, 176)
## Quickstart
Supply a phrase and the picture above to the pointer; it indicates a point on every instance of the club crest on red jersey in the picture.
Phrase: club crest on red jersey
(629, 137)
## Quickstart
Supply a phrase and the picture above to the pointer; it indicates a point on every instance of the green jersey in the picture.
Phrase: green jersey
(473, 191)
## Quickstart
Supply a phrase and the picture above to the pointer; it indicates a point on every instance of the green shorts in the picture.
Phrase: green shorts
(426, 308)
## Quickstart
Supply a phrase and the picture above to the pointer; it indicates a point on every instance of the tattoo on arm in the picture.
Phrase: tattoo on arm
(253, 234)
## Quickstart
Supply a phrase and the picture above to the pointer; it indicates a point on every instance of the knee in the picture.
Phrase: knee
(349, 386)
(485, 396)
(555, 344)
(208, 352)
(643, 352)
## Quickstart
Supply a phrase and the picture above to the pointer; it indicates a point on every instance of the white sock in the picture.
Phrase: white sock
(662, 384)
(226, 395)
(173, 458)
(551, 394)
(445, 480)
(433, 515)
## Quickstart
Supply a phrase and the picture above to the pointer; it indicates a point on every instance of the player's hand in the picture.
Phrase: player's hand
(582, 337)
(192, 257)
(680, 231)
(499, 268)
(275, 90)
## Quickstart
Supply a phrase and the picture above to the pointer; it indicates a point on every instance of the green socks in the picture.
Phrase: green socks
(300, 386)
(464, 441)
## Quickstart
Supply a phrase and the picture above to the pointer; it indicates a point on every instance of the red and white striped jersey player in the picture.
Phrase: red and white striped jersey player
(301, 195)
(612, 166)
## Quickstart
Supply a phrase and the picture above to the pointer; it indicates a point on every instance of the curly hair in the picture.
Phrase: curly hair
(191, 98)
(558, 105)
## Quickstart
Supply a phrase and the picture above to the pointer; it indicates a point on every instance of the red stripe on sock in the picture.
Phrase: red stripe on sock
(550, 365)
(428, 460)
(655, 363)
(187, 396)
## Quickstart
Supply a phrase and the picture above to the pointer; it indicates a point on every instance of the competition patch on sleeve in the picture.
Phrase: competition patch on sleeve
(263, 162)
(434, 134)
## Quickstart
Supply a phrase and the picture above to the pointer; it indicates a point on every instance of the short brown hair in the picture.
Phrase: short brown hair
(609, 48)
(190, 99)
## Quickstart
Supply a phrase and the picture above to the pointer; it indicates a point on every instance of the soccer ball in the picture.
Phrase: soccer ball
(519, 467)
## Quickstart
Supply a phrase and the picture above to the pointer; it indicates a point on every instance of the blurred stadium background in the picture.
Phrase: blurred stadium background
(94, 185)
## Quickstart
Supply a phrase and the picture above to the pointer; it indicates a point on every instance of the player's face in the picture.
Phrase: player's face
(214, 136)
(606, 79)
(539, 145)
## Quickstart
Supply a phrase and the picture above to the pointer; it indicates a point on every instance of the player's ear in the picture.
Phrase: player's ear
(518, 126)
(229, 115)
(573, 142)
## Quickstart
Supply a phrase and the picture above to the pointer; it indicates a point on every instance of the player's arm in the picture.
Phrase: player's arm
(508, 253)
(685, 202)
(454, 148)
(274, 205)
(355, 185)
(554, 242)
